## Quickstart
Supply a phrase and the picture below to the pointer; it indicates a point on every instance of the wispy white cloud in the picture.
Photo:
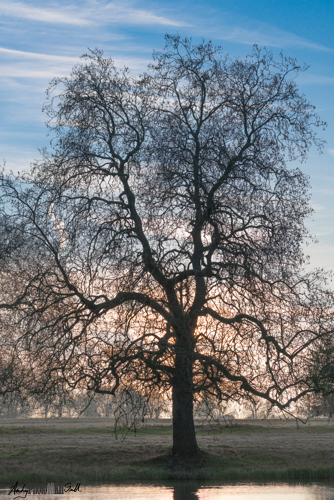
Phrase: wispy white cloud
(92, 13)
(321, 256)
(307, 78)
(12, 71)
(268, 35)
(316, 206)
(23, 64)
(67, 15)
(331, 151)
(17, 162)
(124, 12)
(36, 55)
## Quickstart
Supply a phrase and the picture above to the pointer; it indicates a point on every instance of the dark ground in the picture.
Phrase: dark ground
(87, 450)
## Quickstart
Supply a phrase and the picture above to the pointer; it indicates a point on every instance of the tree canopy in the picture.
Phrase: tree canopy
(158, 245)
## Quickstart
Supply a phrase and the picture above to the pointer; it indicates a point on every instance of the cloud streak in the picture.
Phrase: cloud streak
(37, 55)
(32, 65)
(46, 15)
(120, 12)
(95, 13)
(23, 64)
(269, 36)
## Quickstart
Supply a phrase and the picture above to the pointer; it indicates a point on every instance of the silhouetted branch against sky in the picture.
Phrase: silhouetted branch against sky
(39, 42)
(159, 241)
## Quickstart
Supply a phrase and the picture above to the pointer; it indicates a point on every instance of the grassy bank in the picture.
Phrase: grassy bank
(91, 453)
(207, 473)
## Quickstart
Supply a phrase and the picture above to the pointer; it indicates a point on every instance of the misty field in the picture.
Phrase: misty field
(87, 450)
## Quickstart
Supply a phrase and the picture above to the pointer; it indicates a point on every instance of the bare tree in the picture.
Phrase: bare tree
(321, 402)
(158, 245)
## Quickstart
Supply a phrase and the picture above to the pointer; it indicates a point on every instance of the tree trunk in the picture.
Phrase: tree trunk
(184, 437)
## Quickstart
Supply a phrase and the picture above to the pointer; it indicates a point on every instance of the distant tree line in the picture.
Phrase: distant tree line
(129, 409)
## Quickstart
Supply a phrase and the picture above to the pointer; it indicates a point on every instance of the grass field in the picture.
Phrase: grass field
(87, 451)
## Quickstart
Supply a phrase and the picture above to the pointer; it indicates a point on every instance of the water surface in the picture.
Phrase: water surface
(189, 491)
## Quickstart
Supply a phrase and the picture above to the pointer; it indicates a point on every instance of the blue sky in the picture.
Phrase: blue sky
(40, 40)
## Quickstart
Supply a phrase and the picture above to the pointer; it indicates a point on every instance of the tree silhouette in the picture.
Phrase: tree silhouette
(158, 245)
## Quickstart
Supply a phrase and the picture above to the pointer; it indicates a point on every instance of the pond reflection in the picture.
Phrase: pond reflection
(190, 491)
(185, 491)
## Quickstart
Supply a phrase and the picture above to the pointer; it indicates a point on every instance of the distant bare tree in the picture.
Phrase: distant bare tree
(321, 402)
(159, 243)
(257, 407)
